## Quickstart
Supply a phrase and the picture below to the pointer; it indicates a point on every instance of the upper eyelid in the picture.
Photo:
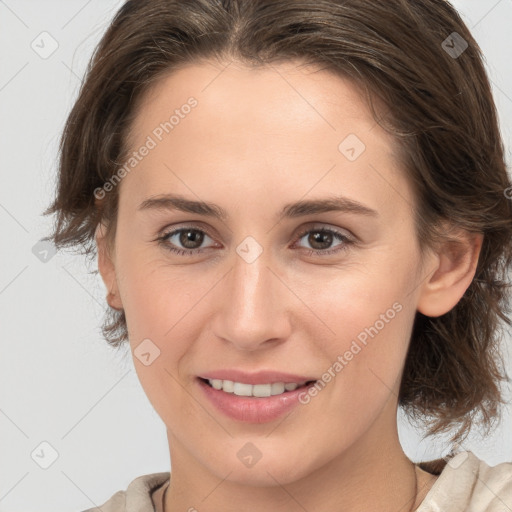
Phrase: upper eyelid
(172, 231)
(325, 227)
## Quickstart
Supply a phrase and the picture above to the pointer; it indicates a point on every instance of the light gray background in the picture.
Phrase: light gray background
(60, 382)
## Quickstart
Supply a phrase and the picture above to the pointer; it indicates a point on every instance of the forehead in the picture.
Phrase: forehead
(285, 125)
(299, 96)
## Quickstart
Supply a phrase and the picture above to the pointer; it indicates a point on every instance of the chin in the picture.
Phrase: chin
(273, 468)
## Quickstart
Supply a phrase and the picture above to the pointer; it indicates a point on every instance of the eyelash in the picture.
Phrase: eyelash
(163, 240)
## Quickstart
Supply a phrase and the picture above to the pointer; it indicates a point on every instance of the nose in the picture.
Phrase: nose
(252, 312)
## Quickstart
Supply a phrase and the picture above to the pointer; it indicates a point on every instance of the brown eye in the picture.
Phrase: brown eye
(190, 239)
(321, 240)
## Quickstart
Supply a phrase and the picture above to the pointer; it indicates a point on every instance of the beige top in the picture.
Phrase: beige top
(465, 484)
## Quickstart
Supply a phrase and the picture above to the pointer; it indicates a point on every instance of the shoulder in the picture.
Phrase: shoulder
(469, 483)
(137, 495)
(493, 487)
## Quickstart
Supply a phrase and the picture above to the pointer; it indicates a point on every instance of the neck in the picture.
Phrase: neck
(373, 474)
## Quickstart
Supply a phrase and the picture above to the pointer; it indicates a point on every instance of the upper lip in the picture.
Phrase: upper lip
(260, 377)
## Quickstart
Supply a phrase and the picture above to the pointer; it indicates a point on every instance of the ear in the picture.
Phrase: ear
(106, 267)
(455, 263)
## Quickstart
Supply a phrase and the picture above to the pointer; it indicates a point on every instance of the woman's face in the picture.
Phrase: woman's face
(265, 289)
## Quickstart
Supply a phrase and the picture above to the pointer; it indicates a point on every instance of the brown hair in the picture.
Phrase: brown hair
(403, 54)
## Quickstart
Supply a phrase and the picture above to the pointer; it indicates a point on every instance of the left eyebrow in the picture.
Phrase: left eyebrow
(290, 210)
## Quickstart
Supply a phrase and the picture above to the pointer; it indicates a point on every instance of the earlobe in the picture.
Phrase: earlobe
(457, 260)
(106, 268)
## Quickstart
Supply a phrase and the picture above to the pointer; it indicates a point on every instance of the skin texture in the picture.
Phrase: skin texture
(259, 139)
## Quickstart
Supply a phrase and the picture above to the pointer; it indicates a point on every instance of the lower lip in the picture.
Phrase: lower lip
(252, 409)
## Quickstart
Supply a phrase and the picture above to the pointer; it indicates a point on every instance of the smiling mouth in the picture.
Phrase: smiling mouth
(255, 390)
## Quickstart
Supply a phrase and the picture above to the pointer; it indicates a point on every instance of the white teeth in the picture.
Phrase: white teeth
(262, 390)
(242, 389)
(216, 383)
(228, 386)
(277, 388)
(256, 390)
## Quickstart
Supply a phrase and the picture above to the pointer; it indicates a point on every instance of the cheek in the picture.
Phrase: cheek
(154, 297)
(369, 317)
(161, 320)
(165, 305)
